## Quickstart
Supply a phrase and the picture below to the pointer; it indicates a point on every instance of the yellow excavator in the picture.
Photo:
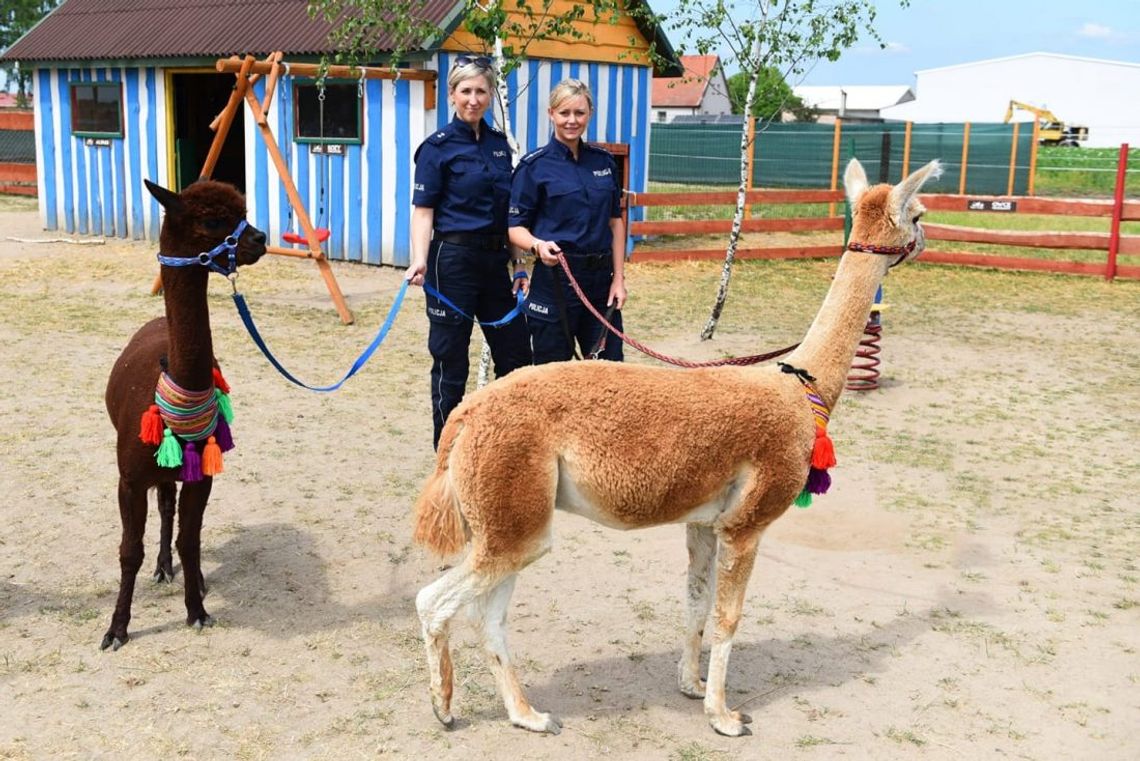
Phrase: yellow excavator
(1051, 130)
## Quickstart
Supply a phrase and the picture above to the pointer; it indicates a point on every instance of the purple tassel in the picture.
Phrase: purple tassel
(191, 464)
(222, 435)
(818, 481)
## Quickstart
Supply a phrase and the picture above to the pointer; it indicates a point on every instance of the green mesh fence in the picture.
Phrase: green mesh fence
(800, 155)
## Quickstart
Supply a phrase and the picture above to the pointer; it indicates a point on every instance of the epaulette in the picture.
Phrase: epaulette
(438, 138)
(533, 155)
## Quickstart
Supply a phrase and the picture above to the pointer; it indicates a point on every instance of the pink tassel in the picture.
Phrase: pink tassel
(191, 464)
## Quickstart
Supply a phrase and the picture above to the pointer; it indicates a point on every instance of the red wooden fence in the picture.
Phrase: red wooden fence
(17, 178)
(1113, 242)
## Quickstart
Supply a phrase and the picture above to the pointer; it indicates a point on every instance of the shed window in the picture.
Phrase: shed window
(341, 112)
(97, 109)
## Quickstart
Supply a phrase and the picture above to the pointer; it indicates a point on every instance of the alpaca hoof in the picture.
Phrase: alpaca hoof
(445, 718)
(540, 722)
(110, 640)
(198, 623)
(730, 727)
(694, 691)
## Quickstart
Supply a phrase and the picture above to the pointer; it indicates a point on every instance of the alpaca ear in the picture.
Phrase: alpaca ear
(854, 180)
(168, 198)
(902, 193)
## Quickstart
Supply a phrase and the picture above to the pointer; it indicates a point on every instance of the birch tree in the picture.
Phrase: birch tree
(757, 37)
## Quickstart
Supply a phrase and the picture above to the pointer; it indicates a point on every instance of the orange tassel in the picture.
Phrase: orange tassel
(823, 453)
(150, 428)
(211, 458)
(220, 382)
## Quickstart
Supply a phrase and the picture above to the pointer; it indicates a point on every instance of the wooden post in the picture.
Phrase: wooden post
(835, 163)
(751, 158)
(906, 151)
(1117, 213)
(1033, 156)
(1012, 160)
(299, 208)
(228, 114)
(965, 159)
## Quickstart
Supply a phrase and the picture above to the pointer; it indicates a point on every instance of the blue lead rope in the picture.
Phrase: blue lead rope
(243, 310)
(515, 312)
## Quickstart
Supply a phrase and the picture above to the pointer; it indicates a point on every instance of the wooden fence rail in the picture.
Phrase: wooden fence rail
(1112, 242)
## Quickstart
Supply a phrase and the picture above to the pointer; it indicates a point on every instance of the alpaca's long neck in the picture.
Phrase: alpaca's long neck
(191, 354)
(830, 344)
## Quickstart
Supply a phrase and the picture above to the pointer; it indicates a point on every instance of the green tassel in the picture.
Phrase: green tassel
(169, 454)
(224, 405)
(804, 499)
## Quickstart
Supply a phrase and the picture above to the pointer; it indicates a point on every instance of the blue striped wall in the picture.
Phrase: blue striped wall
(97, 190)
(363, 196)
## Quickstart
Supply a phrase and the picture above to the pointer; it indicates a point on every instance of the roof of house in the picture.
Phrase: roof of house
(859, 97)
(688, 90)
(1038, 54)
(147, 29)
(127, 29)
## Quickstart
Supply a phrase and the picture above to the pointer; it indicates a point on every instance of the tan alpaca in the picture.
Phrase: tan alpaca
(724, 450)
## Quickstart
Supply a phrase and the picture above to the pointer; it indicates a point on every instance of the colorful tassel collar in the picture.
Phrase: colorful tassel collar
(190, 416)
(823, 450)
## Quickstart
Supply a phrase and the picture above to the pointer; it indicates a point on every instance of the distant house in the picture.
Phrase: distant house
(127, 91)
(1091, 92)
(701, 90)
(853, 103)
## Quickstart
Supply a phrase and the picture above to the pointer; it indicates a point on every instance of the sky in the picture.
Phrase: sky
(933, 33)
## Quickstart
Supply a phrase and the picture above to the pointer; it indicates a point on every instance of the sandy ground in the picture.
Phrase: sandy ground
(967, 590)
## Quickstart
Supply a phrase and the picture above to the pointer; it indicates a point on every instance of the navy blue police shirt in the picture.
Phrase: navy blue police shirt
(467, 182)
(566, 201)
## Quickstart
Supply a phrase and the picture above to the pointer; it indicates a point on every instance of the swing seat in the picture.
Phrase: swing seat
(299, 239)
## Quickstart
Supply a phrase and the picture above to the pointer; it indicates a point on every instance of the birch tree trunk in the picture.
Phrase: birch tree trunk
(738, 216)
(504, 118)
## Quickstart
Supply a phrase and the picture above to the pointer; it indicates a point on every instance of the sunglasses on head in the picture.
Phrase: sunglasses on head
(482, 61)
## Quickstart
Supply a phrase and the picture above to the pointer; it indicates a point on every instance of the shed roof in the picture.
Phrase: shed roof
(84, 30)
(128, 29)
(687, 90)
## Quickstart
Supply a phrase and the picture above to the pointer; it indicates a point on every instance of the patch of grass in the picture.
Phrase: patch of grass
(694, 751)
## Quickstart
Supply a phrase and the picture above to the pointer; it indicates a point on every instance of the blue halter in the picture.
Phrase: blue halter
(206, 258)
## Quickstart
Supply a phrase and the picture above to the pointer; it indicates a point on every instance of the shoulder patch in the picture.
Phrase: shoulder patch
(437, 138)
(530, 157)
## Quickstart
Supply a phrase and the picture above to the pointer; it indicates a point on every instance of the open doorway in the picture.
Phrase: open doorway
(198, 98)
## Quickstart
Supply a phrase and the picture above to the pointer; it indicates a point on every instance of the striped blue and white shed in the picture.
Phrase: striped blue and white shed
(363, 196)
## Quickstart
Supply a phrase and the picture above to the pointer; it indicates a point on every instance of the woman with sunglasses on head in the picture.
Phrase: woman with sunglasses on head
(459, 239)
(566, 198)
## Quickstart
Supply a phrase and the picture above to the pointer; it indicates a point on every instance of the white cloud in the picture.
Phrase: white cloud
(1095, 31)
(896, 47)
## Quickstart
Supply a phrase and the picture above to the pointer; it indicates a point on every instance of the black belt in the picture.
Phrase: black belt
(599, 261)
(473, 240)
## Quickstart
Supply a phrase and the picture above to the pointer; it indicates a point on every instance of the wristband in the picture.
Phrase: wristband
(520, 275)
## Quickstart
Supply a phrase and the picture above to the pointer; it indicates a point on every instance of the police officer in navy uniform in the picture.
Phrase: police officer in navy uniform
(459, 239)
(566, 197)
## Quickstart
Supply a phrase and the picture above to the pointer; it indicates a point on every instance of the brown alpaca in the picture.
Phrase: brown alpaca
(200, 219)
(724, 450)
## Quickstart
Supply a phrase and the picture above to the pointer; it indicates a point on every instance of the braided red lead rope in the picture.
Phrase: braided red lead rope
(750, 360)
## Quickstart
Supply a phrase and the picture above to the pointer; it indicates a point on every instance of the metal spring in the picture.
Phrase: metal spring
(864, 375)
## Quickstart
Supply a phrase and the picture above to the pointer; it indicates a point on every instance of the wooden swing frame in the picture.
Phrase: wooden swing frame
(247, 71)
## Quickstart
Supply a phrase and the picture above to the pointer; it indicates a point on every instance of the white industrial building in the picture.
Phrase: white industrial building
(1099, 94)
